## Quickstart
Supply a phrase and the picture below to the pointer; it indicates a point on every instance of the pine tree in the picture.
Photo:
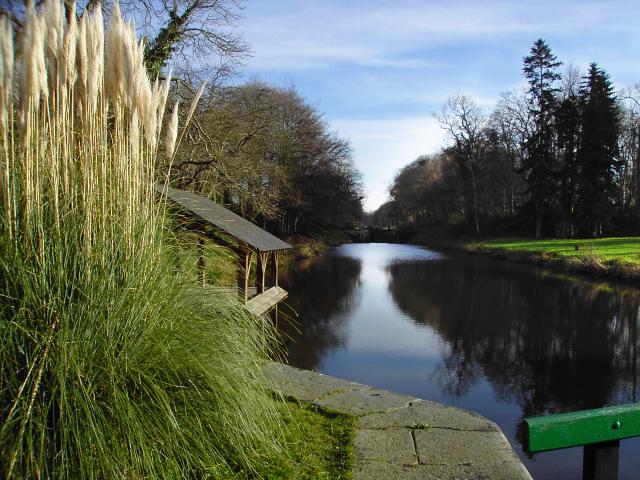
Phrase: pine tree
(568, 131)
(540, 70)
(597, 152)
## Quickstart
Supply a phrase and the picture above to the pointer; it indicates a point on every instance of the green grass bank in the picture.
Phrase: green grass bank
(318, 444)
(616, 258)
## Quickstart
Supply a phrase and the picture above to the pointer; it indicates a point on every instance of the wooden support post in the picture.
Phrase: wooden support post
(263, 260)
(247, 273)
(600, 461)
(265, 266)
(259, 277)
(275, 265)
(201, 264)
(240, 269)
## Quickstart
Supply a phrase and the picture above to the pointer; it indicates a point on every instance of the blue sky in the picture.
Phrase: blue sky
(378, 69)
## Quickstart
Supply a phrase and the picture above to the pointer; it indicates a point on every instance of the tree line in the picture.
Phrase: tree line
(266, 153)
(558, 158)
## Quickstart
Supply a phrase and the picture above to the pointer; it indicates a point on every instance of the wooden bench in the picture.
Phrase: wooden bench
(599, 431)
(263, 302)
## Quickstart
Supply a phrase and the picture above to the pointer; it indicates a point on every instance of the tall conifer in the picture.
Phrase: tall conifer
(597, 152)
(568, 131)
(540, 71)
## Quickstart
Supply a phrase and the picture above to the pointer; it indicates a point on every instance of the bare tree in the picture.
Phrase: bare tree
(197, 35)
(464, 121)
(571, 80)
(630, 141)
(512, 122)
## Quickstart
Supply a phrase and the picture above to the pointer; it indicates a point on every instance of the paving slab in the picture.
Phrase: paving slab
(394, 445)
(362, 402)
(306, 385)
(478, 471)
(439, 446)
(371, 470)
(424, 413)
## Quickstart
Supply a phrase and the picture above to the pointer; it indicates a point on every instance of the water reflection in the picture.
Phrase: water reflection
(544, 342)
(325, 291)
(506, 340)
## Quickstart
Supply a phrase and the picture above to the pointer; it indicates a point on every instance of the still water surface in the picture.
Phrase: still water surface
(505, 340)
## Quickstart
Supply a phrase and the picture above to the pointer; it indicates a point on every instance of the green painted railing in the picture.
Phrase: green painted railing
(599, 431)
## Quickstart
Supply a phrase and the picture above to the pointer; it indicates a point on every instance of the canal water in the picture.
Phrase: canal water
(502, 339)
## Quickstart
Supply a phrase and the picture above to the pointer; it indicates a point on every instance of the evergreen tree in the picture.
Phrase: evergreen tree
(568, 131)
(540, 70)
(597, 152)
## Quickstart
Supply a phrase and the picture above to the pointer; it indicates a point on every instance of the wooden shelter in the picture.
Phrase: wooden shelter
(213, 221)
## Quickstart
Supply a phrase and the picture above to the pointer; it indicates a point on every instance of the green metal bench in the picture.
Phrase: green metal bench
(599, 431)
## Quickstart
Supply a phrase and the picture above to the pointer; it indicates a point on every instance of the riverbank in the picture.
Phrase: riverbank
(403, 437)
(616, 258)
(307, 247)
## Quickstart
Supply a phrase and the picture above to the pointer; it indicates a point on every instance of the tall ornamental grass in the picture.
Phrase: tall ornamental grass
(112, 364)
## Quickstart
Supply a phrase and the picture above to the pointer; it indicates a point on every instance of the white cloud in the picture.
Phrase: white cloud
(302, 35)
(382, 147)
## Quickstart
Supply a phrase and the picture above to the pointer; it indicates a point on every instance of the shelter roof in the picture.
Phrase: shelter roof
(224, 219)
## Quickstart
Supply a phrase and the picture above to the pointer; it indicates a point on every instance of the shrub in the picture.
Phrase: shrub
(112, 364)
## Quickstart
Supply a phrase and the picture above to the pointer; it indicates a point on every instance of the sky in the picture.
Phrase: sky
(379, 69)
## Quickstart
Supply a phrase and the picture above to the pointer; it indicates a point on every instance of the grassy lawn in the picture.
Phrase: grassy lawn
(625, 249)
(318, 445)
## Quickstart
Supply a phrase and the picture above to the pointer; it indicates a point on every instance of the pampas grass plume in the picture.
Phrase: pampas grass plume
(55, 21)
(6, 70)
(172, 132)
(33, 66)
(95, 57)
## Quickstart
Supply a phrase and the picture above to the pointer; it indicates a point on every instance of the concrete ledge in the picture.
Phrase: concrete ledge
(403, 437)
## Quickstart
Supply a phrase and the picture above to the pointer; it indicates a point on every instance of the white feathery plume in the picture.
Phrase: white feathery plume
(6, 83)
(163, 95)
(6, 49)
(53, 15)
(172, 132)
(194, 104)
(192, 109)
(95, 60)
(33, 68)
(69, 73)
(115, 78)
(40, 56)
(6, 70)
(151, 120)
(131, 70)
(81, 61)
(143, 94)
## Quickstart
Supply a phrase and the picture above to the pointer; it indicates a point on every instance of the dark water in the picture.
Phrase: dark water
(505, 340)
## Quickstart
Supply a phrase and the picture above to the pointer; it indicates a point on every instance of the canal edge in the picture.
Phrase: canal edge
(403, 437)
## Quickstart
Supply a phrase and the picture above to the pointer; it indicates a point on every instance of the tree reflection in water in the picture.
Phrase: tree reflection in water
(547, 343)
(502, 339)
(325, 290)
